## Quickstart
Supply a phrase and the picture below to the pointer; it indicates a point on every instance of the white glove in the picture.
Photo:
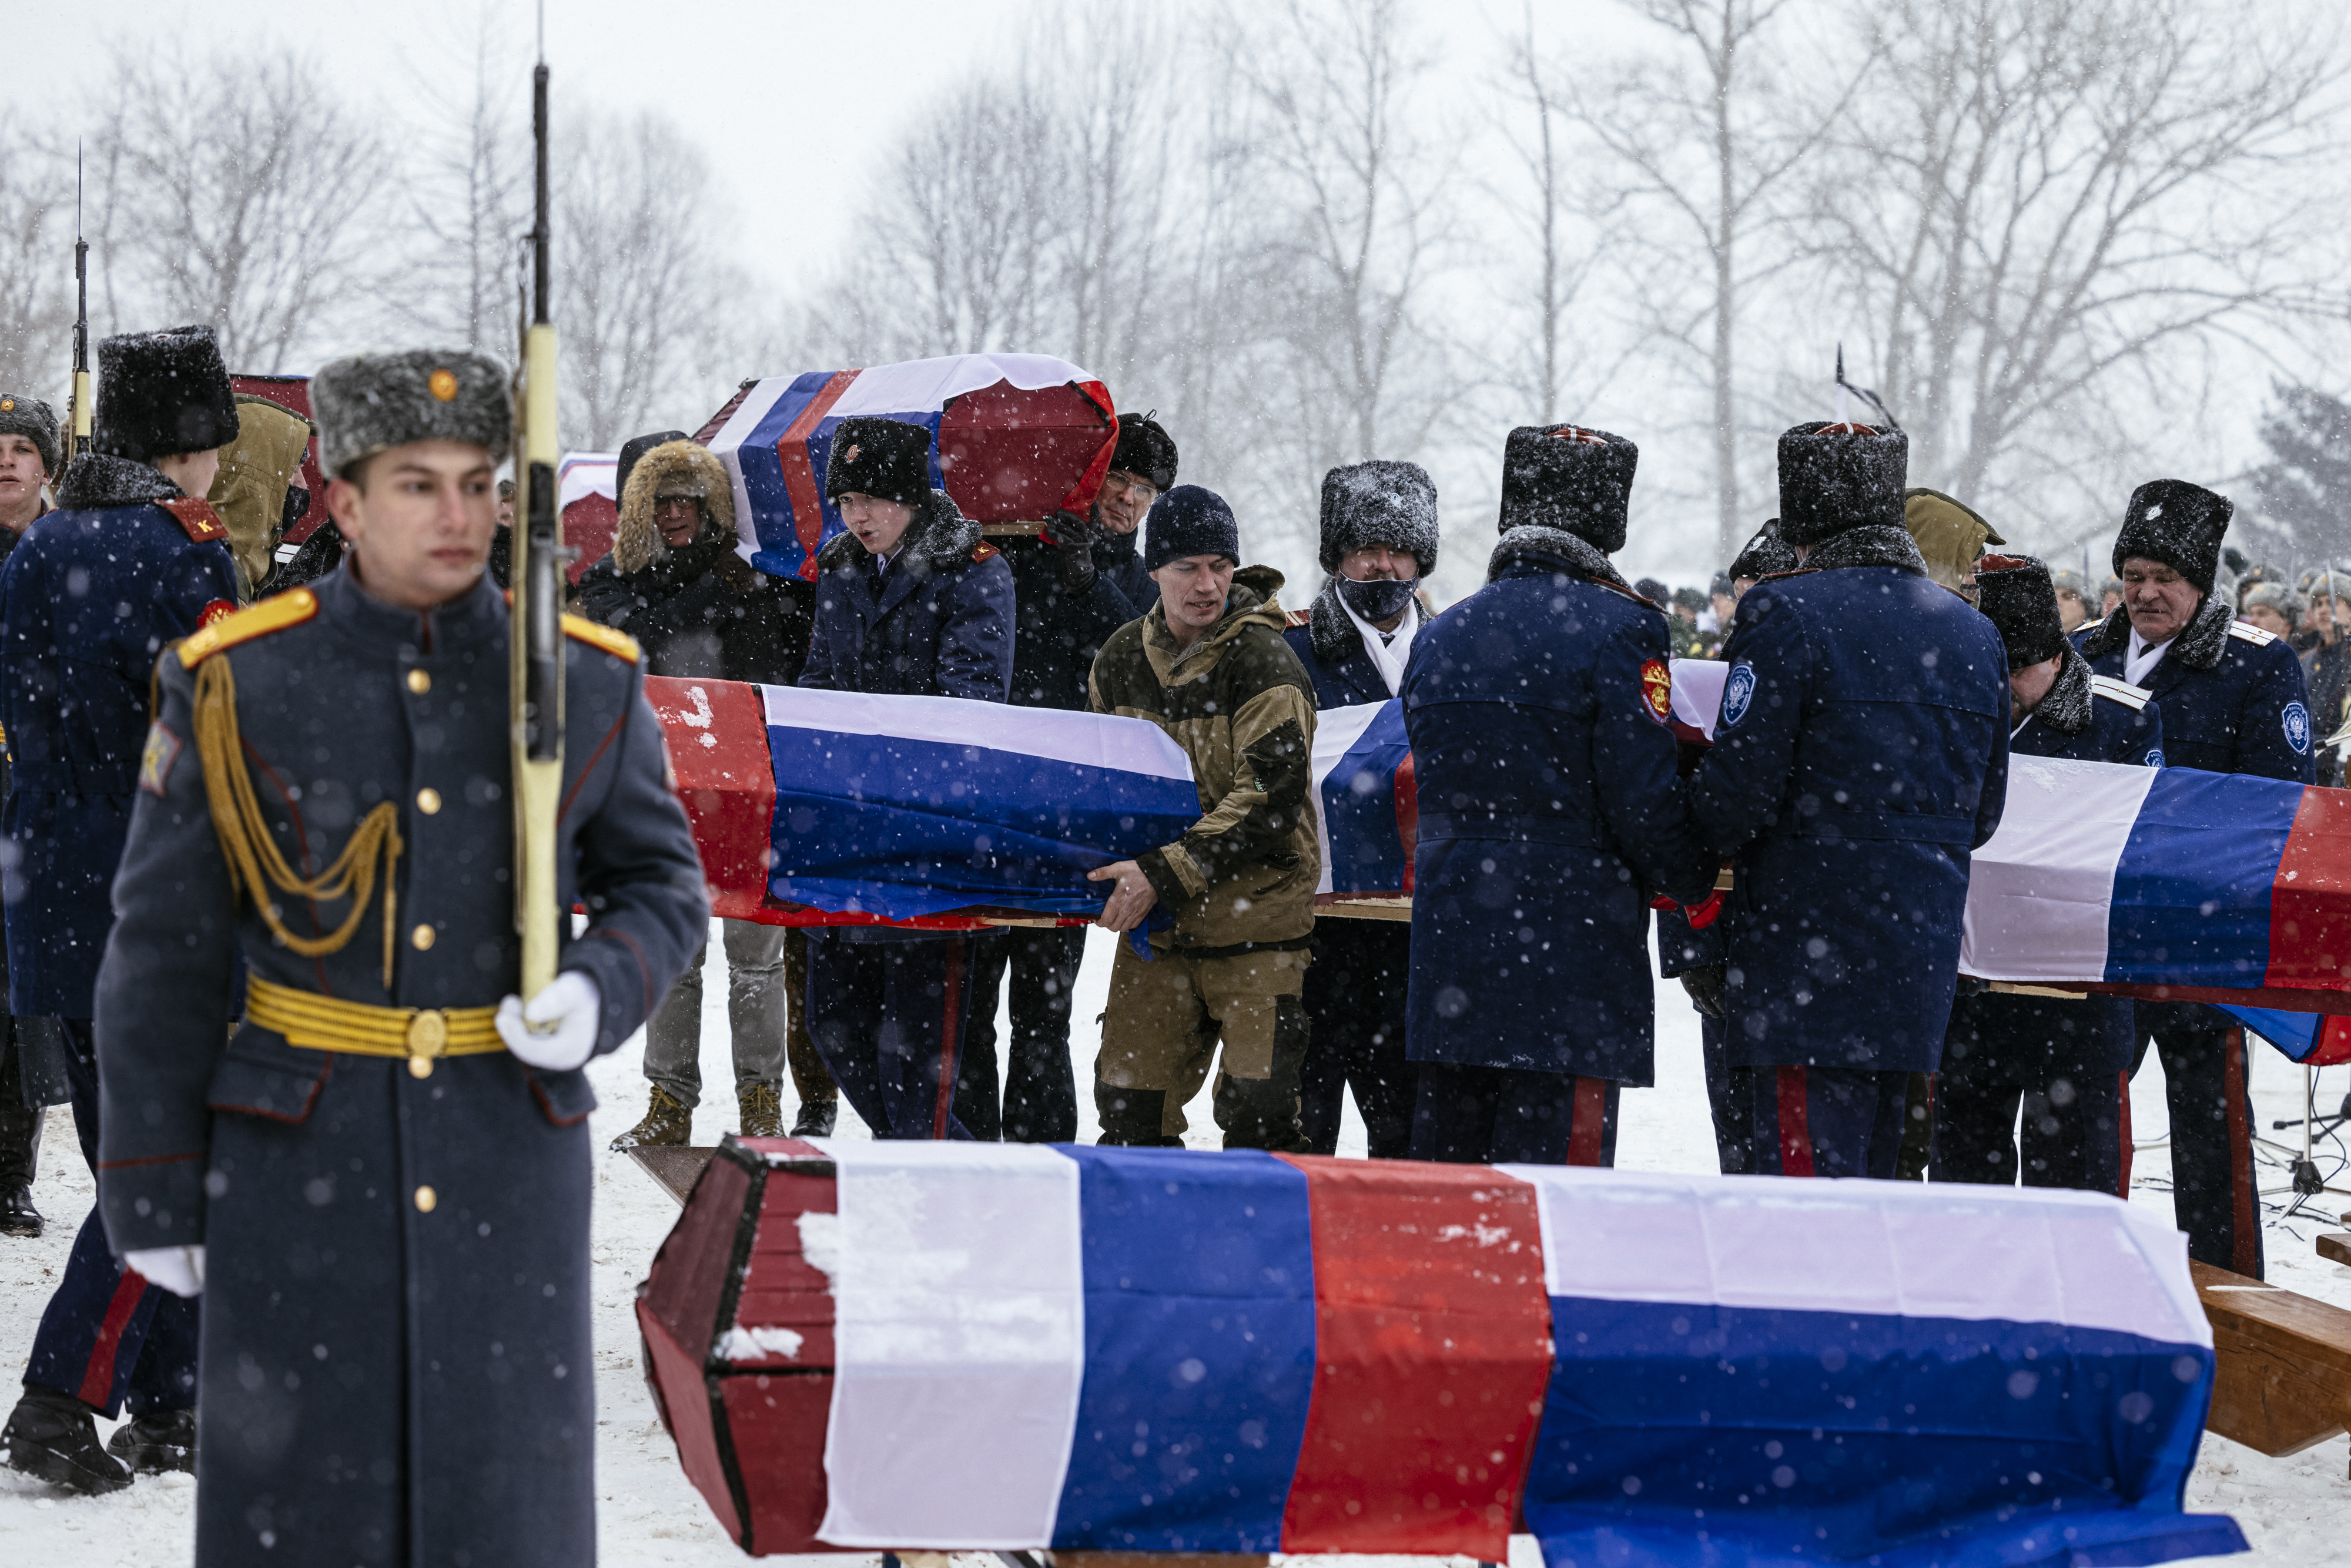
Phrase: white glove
(556, 1032)
(179, 1270)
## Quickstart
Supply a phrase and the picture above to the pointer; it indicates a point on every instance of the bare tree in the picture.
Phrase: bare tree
(36, 263)
(1533, 91)
(238, 195)
(2051, 212)
(1700, 145)
(469, 182)
(647, 313)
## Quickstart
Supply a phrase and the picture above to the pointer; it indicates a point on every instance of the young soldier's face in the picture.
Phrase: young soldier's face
(878, 524)
(419, 521)
(21, 474)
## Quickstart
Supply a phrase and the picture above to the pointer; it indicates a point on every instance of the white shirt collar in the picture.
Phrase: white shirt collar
(2143, 656)
(1389, 653)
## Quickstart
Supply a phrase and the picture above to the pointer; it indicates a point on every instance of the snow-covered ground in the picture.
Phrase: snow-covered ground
(2291, 1509)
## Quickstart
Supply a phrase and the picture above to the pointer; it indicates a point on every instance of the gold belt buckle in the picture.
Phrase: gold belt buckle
(428, 1037)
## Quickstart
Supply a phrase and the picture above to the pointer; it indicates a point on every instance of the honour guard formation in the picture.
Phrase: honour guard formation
(328, 872)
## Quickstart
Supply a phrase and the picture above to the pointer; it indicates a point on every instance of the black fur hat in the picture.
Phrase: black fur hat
(36, 422)
(1567, 477)
(635, 447)
(1379, 503)
(161, 393)
(372, 402)
(1765, 555)
(1145, 448)
(2178, 524)
(2015, 593)
(885, 457)
(1838, 477)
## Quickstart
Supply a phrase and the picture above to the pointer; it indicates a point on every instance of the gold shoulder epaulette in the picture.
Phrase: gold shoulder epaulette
(620, 644)
(274, 613)
(2123, 692)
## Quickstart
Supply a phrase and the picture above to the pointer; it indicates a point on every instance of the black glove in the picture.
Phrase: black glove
(1705, 985)
(1074, 540)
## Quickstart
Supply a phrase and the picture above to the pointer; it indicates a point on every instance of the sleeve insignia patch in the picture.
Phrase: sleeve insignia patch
(1657, 689)
(155, 762)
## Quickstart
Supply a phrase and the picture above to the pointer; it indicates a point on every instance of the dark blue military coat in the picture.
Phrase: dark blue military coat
(1860, 759)
(1332, 650)
(89, 599)
(2234, 696)
(398, 1361)
(939, 624)
(2032, 1040)
(1537, 712)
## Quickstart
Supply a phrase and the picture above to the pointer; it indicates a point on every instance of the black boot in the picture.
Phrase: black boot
(53, 1436)
(1262, 1113)
(20, 1148)
(816, 1118)
(1130, 1117)
(17, 1214)
(152, 1444)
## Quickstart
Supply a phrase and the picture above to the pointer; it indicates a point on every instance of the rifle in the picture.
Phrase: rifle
(1845, 386)
(77, 407)
(535, 689)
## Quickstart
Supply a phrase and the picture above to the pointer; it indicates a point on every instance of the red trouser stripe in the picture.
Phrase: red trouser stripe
(2124, 1191)
(950, 1040)
(1795, 1131)
(97, 1382)
(2244, 1239)
(1587, 1135)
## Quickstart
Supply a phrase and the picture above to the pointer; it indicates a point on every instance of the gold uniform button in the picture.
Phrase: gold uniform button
(428, 800)
(420, 682)
(421, 939)
(425, 1199)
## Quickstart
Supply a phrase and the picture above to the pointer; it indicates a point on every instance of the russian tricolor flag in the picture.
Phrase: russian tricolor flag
(1367, 810)
(899, 807)
(1168, 1350)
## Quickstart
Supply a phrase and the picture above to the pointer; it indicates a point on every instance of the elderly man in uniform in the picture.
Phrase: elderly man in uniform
(2233, 702)
(29, 1081)
(134, 558)
(1379, 540)
(381, 1181)
(1860, 759)
(1537, 709)
(2064, 1063)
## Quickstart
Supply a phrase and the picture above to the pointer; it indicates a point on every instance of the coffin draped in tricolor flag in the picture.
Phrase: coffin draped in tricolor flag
(980, 1347)
(1015, 438)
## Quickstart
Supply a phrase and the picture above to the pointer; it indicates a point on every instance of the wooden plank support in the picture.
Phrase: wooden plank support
(2284, 1375)
(2335, 1246)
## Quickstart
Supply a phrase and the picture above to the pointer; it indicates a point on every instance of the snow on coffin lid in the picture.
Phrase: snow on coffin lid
(1014, 438)
(1179, 1352)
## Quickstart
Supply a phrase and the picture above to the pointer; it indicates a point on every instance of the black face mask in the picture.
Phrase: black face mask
(1378, 601)
(298, 505)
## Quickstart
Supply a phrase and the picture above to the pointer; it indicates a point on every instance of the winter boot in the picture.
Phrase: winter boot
(762, 1110)
(668, 1120)
(1262, 1113)
(816, 1118)
(1130, 1117)
(153, 1444)
(53, 1436)
(20, 1151)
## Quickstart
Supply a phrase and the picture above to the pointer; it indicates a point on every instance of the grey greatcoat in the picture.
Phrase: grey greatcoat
(396, 1359)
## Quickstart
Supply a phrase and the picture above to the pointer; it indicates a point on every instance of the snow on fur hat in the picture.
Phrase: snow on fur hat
(1834, 478)
(1379, 503)
(34, 420)
(369, 404)
(162, 393)
(674, 467)
(888, 458)
(1567, 477)
(2178, 524)
(1190, 520)
(1145, 448)
(1765, 555)
(2016, 595)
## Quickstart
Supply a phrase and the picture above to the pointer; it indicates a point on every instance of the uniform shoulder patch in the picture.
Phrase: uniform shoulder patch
(155, 762)
(1657, 689)
(620, 644)
(1297, 617)
(984, 551)
(2251, 633)
(274, 613)
(2130, 696)
(195, 514)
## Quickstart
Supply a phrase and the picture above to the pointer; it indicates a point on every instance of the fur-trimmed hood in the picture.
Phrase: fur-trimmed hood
(2198, 647)
(637, 542)
(939, 538)
(102, 479)
(1537, 540)
(1332, 634)
(2066, 709)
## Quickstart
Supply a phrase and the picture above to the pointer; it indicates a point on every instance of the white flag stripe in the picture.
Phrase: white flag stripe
(2040, 894)
(1336, 730)
(2019, 1255)
(1698, 692)
(1081, 739)
(959, 1334)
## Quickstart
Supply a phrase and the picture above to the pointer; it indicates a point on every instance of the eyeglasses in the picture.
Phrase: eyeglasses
(677, 503)
(1141, 489)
